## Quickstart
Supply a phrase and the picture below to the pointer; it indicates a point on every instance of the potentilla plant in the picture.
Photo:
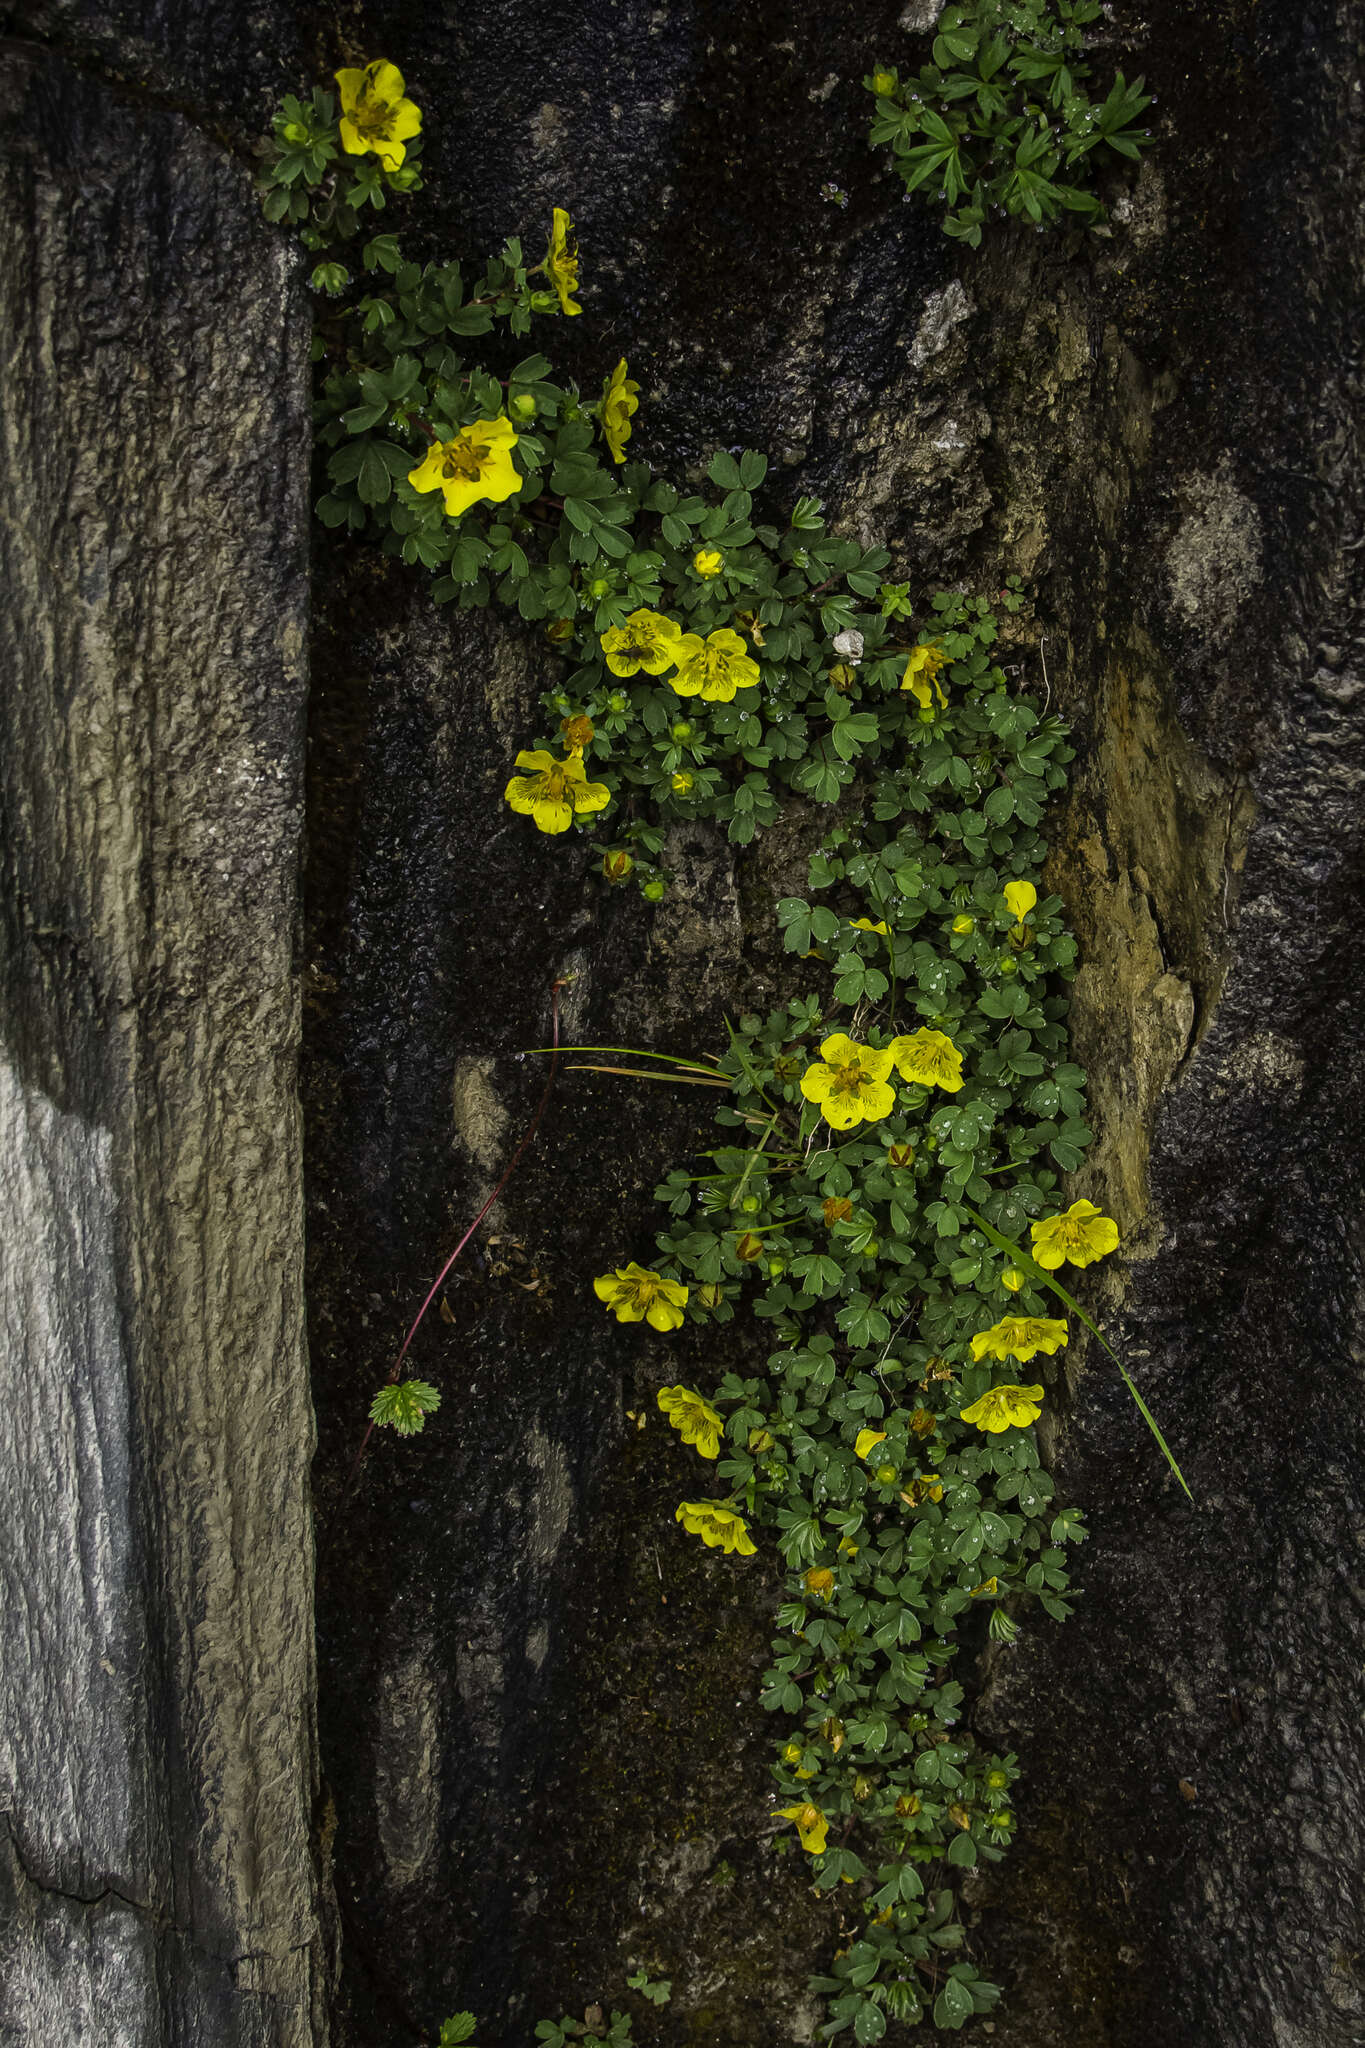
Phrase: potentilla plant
(887, 1141)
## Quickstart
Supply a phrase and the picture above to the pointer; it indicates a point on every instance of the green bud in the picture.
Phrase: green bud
(653, 891)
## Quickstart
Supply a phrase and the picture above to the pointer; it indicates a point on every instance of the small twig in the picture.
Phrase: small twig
(1047, 687)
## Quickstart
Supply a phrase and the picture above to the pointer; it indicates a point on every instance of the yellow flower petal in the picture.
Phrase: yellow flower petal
(1020, 897)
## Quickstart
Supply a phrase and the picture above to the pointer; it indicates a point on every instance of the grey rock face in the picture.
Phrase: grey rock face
(156, 1671)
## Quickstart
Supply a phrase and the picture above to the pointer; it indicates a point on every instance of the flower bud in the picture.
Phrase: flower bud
(862, 1789)
(963, 926)
(1013, 1279)
(599, 587)
(883, 82)
(617, 864)
(680, 732)
(681, 782)
(832, 1728)
(836, 1209)
(886, 1475)
(558, 631)
(1008, 966)
(577, 731)
(908, 1804)
(523, 406)
(761, 1440)
(923, 1422)
(819, 1582)
(711, 1296)
(653, 891)
(959, 1816)
(841, 678)
(748, 1246)
(900, 1155)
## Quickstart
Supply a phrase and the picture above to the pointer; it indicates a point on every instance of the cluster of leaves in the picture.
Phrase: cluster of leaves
(307, 183)
(874, 1277)
(874, 1272)
(1001, 121)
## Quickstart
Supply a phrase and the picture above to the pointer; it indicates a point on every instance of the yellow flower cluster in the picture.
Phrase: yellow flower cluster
(374, 114)
(849, 1082)
(712, 668)
(620, 398)
(1080, 1236)
(476, 463)
(635, 1296)
(718, 1528)
(921, 677)
(561, 261)
(695, 1420)
(553, 792)
(1021, 1337)
(811, 1826)
(1005, 1408)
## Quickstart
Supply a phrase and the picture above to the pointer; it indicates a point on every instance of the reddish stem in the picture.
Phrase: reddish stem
(513, 1163)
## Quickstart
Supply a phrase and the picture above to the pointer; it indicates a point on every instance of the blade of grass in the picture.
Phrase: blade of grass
(692, 1079)
(1041, 1274)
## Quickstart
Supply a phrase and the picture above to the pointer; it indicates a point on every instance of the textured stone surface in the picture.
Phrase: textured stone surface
(1156, 430)
(157, 1753)
(542, 1755)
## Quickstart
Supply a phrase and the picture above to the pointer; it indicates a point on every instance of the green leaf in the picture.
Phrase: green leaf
(725, 471)
(404, 1407)
(869, 2022)
(458, 2029)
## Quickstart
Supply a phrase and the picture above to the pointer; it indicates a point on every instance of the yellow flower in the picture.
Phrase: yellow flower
(1021, 1337)
(718, 1528)
(921, 675)
(1081, 1236)
(811, 1826)
(713, 668)
(1005, 1408)
(554, 790)
(638, 1296)
(1020, 897)
(695, 1420)
(648, 643)
(883, 82)
(849, 1083)
(867, 1440)
(561, 262)
(865, 924)
(476, 464)
(577, 731)
(374, 114)
(620, 398)
(791, 1756)
(819, 1582)
(708, 561)
(929, 1058)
